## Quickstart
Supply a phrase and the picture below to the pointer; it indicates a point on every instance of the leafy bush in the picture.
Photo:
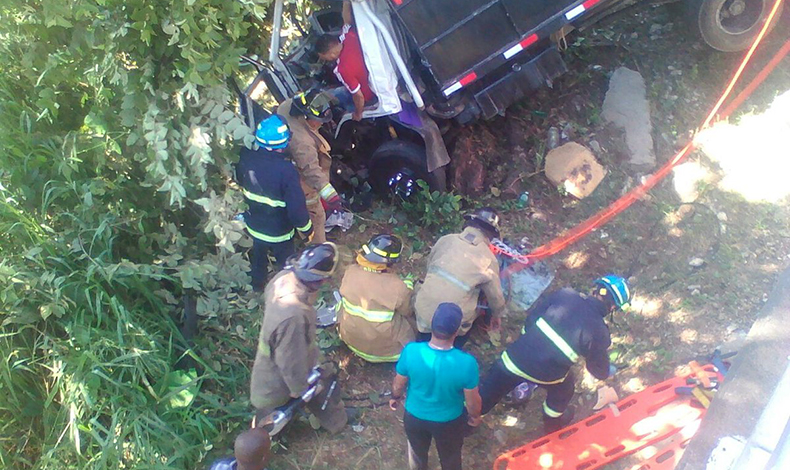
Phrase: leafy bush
(440, 212)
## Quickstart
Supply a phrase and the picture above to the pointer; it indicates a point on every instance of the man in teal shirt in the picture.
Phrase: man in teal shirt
(441, 380)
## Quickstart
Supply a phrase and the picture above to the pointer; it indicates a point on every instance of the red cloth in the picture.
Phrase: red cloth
(350, 69)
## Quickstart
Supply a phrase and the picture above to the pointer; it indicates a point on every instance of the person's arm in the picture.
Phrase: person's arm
(305, 156)
(474, 405)
(496, 299)
(398, 390)
(291, 355)
(295, 204)
(348, 14)
(597, 356)
(404, 305)
(359, 105)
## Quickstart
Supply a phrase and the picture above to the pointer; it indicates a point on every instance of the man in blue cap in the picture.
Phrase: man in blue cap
(442, 397)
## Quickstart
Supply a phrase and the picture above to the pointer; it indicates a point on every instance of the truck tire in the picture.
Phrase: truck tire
(729, 25)
(392, 156)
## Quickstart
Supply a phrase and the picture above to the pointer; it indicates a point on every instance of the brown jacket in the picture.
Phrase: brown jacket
(286, 345)
(459, 267)
(309, 151)
(375, 314)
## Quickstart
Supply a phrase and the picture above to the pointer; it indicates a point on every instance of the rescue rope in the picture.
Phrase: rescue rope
(605, 215)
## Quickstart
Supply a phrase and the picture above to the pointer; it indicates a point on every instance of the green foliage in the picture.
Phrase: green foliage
(115, 200)
(440, 212)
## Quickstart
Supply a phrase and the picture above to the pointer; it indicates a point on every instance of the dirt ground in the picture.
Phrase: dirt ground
(680, 312)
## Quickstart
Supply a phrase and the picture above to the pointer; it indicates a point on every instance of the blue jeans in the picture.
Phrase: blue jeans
(345, 98)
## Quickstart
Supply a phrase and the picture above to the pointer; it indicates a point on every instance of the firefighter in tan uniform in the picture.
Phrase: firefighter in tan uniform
(375, 315)
(306, 113)
(287, 352)
(461, 267)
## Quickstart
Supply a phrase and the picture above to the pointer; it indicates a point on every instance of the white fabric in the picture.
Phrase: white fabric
(382, 77)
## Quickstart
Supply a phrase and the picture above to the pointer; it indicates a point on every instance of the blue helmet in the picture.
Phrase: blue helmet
(273, 133)
(617, 288)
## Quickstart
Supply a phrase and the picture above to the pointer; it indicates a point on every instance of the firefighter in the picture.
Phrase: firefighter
(461, 267)
(375, 315)
(287, 351)
(271, 188)
(560, 328)
(306, 113)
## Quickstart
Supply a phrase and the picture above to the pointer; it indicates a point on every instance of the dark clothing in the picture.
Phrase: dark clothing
(577, 319)
(449, 438)
(259, 261)
(460, 341)
(499, 382)
(274, 195)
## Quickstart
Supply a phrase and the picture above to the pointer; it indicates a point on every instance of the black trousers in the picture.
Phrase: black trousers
(460, 341)
(499, 381)
(259, 260)
(449, 439)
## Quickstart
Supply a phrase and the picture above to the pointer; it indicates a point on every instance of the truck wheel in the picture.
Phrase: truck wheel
(730, 25)
(396, 155)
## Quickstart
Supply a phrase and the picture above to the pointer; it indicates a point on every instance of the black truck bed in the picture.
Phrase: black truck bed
(465, 39)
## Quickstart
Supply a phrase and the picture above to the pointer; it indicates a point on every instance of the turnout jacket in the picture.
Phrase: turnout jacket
(460, 266)
(578, 320)
(310, 152)
(286, 346)
(375, 314)
(270, 184)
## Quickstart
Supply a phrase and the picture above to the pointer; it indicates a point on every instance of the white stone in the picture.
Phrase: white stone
(626, 106)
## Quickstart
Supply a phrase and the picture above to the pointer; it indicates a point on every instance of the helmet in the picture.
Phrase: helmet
(273, 133)
(485, 217)
(382, 249)
(313, 104)
(617, 287)
(316, 263)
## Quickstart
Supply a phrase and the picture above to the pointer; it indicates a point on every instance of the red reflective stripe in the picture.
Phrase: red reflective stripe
(586, 4)
(529, 40)
(468, 79)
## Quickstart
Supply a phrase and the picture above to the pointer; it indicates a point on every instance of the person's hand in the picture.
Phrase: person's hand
(395, 403)
(474, 421)
(612, 370)
(334, 204)
(357, 116)
(496, 323)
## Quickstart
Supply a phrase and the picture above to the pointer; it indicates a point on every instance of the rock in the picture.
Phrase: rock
(696, 262)
(626, 106)
(695, 292)
(694, 287)
(575, 168)
(595, 147)
(499, 435)
(722, 216)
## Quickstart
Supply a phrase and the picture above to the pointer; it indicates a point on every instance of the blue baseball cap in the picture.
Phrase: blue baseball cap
(446, 319)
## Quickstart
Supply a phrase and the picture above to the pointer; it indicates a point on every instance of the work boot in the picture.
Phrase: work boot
(551, 425)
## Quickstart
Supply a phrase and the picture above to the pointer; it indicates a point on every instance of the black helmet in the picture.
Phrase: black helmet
(485, 218)
(316, 263)
(313, 104)
(382, 249)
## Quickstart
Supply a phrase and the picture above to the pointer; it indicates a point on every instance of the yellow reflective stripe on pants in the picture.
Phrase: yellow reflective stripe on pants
(549, 412)
(263, 199)
(555, 338)
(371, 357)
(270, 239)
(306, 226)
(376, 316)
(513, 369)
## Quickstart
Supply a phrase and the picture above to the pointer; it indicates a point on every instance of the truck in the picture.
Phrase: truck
(438, 65)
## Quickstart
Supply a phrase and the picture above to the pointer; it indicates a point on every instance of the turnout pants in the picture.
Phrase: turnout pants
(449, 439)
(259, 260)
(318, 218)
(499, 381)
(460, 341)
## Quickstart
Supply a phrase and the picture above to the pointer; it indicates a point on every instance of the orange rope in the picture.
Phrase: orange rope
(605, 215)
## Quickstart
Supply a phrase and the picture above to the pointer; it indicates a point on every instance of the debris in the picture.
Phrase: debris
(626, 106)
(553, 139)
(696, 262)
(358, 428)
(722, 216)
(523, 200)
(342, 219)
(575, 168)
(495, 191)
(694, 287)
(499, 435)
(595, 147)
(604, 235)
(606, 395)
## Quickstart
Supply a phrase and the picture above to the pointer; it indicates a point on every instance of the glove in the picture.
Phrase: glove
(335, 204)
(612, 370)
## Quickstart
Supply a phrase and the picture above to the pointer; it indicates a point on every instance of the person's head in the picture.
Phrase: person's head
(316, 264)
(314, 105)
(484, 219)
(251, 449)
(328, 47)
(446, 321)
(273, 133)
(382, 251)
(613, 291)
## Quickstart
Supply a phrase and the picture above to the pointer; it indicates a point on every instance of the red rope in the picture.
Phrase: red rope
(605, 215)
